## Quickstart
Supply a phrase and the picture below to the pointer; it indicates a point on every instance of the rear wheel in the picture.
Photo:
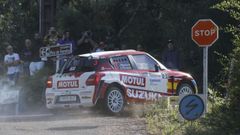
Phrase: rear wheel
(185, 89)
(114, 100)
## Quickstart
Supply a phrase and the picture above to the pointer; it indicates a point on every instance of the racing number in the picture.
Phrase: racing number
(164, 75)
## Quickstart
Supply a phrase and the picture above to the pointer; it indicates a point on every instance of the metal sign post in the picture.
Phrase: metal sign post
(57, 63)
(205, 75)
(57, 51)
(205, 33)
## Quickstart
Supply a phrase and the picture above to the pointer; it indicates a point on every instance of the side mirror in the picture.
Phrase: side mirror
(157, 68)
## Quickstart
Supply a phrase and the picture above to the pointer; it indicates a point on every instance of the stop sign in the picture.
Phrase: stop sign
(204, 32)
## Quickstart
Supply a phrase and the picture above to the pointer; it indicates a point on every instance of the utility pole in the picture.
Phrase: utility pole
(47, 12)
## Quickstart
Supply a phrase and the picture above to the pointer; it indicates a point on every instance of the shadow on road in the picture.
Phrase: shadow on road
(72, 128)
(40, 113)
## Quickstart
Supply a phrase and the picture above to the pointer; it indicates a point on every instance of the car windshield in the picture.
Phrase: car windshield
(146, 62)
(162, 67)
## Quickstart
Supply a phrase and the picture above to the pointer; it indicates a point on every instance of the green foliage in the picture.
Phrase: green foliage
(34, 86)
(220, 120)
(223, 116)
(18, 20)
(161, 120)
(233, 64)
(232, 7)
(149, 23)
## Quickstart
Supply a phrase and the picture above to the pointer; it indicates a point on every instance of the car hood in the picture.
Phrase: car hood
(179, 74)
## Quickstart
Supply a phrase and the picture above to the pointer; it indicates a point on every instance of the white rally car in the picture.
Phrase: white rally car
(114, 78)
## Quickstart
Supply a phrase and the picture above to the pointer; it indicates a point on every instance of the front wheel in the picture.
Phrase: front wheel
(185, 89)
(114, 100)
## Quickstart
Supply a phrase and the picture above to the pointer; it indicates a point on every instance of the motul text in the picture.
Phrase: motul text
(133, 80)
(67, 84)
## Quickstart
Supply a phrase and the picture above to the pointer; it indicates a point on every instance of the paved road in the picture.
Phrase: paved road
(75, 122)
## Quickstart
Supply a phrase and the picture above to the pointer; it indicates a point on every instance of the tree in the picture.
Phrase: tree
(232, 7)
(18, 20)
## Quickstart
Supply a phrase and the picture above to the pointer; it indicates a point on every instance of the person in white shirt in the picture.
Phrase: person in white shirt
(12, 61)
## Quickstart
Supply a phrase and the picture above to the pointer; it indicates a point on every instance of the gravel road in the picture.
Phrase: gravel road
(74, 122)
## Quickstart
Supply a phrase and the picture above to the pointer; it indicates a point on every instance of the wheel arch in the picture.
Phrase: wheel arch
(115, 84)
(184, 81)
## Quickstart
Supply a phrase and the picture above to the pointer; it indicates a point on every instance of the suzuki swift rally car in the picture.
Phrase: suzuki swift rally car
(114, 78)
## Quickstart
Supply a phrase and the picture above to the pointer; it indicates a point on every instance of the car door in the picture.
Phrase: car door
(156, 79)
(129, 77)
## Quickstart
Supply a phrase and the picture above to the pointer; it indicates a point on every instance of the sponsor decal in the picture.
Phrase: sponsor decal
(171, 85)
(155, 81)
(50, 94)
(49, 100)
(55, 50)
(145, 95)
(133, 80)
(85, 92)
(67, 84)
(86, 97)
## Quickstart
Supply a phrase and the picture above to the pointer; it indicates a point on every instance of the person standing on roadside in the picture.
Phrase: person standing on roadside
(69, 40)
(27, 56)
(140, 47)
(86, 44)
(65, 39)
(170, 56)
(101, 47)
(12, 61)
(36, 62)
(51, 38)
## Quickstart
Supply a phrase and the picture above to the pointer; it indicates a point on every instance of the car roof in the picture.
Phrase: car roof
(108, 54)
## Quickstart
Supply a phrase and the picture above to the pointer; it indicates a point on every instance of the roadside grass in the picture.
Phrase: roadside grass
(162, 119)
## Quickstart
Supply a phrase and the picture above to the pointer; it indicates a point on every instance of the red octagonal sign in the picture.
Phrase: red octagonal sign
(204, 32)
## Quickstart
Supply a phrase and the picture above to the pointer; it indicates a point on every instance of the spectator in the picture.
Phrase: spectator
(109, 41)
(36, 62)
(101, 47)
(60, 40)
(26, 56)
(85, 44)
(12, 61)
(123, 47)
(170, 57)
(51, 38)
(140, 47)
(69, 40)
(65, 38)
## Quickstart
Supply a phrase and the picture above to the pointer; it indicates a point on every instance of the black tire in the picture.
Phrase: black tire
(54, 111)
(114, 101)
(99, 105)
(185, 88)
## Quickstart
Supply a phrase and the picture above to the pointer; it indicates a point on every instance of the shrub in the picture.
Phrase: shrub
(34, 86)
